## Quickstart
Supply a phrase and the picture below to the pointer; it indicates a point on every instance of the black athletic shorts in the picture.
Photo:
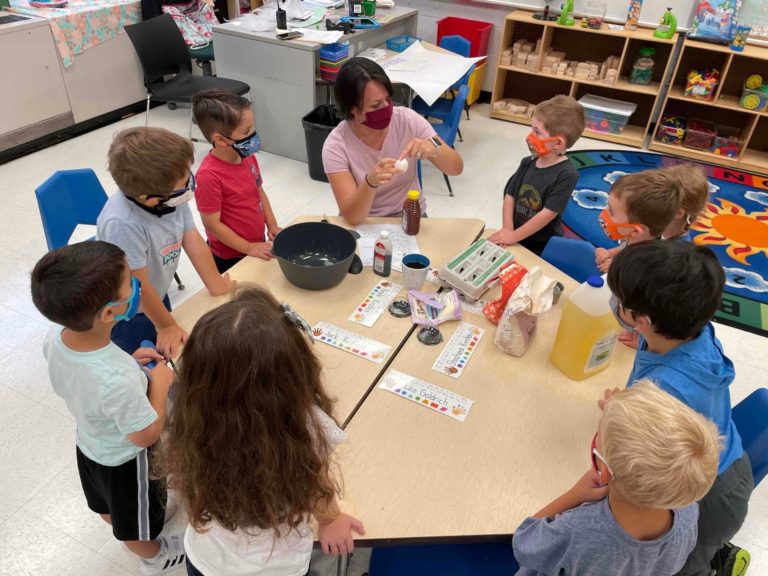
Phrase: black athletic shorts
(135, 502)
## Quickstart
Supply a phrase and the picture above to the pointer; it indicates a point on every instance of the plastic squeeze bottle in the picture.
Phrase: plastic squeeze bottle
(587, 333)
(382, 254)
(412, 213)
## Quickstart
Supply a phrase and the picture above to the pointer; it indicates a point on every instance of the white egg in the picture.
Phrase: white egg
(401, 165)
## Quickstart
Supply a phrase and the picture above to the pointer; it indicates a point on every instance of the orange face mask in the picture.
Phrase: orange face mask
(538, 146)
(614, 230)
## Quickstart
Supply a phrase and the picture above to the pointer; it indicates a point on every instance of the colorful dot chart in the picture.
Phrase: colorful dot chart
(427, 395)
(361, 346)
(459, 349)
(378, 299)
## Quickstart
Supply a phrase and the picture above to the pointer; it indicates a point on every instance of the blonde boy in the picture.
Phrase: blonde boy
(538, 192)
(694, 190)
(640, 207)
(151, 222)
(634, 513)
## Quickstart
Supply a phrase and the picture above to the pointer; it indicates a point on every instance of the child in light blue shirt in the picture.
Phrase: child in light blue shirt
(86, 289)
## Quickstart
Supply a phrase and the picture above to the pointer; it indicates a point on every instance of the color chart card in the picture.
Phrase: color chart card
(369, 310)
(459, 349)
(350, 342)
(425, 394)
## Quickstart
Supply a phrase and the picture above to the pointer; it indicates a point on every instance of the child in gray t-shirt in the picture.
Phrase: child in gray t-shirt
(634, 513)
(149, 219)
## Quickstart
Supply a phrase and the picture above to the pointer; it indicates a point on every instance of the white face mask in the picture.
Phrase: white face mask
(183, 198)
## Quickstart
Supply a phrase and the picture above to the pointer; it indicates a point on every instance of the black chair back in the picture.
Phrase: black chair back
(160, 47)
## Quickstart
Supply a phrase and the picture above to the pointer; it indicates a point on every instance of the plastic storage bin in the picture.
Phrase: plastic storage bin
(317, 125)
(700, 135)
(606, 114)
(754, 100)
(477, 33)
(476, 82)
(728, 142)
(671, 130)
(401, 43)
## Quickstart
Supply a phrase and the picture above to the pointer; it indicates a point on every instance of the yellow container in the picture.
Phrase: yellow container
(476, 82)
(587, 333)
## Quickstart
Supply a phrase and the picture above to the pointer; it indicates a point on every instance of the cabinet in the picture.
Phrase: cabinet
(724, 111)
(583, 45)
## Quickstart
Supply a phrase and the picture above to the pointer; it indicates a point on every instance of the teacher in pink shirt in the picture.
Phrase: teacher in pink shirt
(359, 155)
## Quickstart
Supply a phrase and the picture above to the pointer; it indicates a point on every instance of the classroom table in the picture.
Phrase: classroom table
(413, 475)
(347, 377)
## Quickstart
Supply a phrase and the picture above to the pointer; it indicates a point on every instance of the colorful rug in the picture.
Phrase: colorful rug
(734, 224)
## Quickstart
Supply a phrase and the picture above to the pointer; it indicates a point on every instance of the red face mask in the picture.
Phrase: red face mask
(379, 119)
(538, 146)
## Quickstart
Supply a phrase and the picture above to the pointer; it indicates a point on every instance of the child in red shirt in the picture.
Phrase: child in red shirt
(230, 197)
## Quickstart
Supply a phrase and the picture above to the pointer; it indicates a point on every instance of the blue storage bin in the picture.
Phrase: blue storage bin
(400, 43)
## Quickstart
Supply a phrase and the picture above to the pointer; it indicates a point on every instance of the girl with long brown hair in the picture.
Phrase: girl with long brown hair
(249, 443)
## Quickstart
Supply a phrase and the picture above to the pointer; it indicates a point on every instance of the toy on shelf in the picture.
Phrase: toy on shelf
(566, 14)
(700, 134)
(668, 26)
(545, 15)
(701, 85)
(728, 142)
(633, 15)
(740, 38)
(594, 14)
(642, 67)
(713, 20)
(754, 96)
(514, 106)
(671, 130)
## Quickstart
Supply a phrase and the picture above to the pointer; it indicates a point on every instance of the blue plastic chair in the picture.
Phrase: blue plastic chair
(448, 129)
(69, 198)
(441, 108)
(574, 257)
(66, 199)
(486, 559)
(751, 419)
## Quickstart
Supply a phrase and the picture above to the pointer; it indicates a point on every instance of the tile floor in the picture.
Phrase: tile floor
(45, 527)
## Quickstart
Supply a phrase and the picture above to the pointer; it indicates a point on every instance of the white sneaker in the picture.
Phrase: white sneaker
(170, 557)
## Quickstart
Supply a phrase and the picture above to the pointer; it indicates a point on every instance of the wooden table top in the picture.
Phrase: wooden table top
(347, 377)
(411, 474)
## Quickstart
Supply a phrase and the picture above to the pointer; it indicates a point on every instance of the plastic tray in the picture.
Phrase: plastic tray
(400, 43)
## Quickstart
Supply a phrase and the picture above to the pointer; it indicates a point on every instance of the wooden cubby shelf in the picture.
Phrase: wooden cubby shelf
(582, 44)
(724, 110)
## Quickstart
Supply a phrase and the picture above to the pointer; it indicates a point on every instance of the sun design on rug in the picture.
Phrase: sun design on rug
(744, 233)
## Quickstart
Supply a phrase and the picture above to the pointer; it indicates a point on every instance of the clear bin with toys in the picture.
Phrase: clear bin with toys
(728, 142)
(700, 134)
(671, 129)
(606, 114)
(701, 85)
(754, 96)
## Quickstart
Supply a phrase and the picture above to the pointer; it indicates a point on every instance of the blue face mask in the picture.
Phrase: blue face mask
(132, 301)
(247, 146)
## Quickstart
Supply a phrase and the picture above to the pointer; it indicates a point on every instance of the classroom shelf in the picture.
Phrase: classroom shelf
(724, 108)
(582, 44)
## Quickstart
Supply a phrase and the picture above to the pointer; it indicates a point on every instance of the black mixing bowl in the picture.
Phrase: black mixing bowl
(316, 255)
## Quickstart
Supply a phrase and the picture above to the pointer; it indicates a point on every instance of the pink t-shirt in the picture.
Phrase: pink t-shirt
(345, 152)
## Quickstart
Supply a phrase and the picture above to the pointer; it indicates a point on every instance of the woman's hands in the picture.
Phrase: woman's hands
(420, 149)
(382, 173)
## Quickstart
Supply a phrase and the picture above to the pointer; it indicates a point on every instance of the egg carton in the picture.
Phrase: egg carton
(471, 273)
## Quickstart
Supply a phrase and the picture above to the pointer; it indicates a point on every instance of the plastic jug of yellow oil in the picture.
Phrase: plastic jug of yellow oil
(587, 332)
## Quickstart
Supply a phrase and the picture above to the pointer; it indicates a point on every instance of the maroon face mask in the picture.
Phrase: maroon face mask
(379, 119)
